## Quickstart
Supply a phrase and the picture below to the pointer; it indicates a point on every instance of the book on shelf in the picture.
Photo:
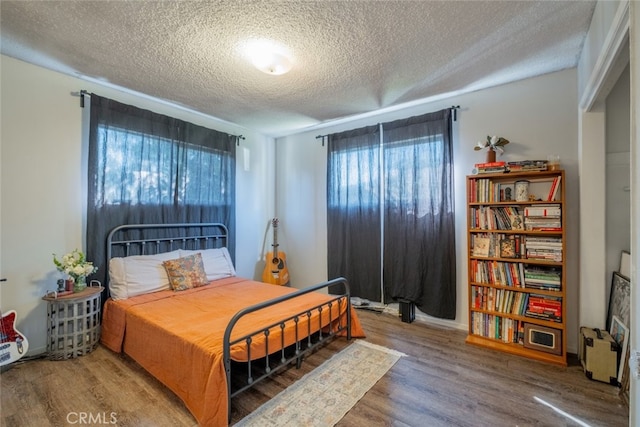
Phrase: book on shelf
(508, 248)
(549, 274)
(542, 286)
(544, 242)
(551, 210)
(489, 164)
(496, 327)
(544, 255)
(542, 224)
(527, 166)
(497, 273)
(553, 191)
(522, 304)
(510, 217)
(485, 190)
(490, 167)
(497, 218)
(543, 218)
(544, 307)
(546, 285)
(499, 300)
(544, 248)
(542, 281)
(481, 245)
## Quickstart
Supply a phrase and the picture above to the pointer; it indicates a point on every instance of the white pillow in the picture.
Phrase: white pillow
(139, 274)
(217, 262)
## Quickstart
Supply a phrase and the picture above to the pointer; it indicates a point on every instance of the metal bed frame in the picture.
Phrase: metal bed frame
(130, 239)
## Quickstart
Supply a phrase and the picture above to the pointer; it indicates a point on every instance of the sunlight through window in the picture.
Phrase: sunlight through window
(561, 412)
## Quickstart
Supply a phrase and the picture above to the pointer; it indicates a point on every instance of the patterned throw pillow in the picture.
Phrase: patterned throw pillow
(186, 273)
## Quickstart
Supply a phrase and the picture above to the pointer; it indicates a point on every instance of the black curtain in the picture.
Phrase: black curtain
(145, 167)
(353, 210)
(419, 233)
(418, 248)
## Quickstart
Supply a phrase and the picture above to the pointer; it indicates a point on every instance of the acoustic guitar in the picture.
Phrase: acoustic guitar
(13, 345)
(275, 270)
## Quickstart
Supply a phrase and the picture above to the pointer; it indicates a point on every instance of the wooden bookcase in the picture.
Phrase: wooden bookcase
(517, 264)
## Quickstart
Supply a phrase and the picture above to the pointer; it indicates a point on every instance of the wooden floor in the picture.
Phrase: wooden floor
(441, 382)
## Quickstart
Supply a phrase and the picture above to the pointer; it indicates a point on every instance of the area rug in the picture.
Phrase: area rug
(323, 396)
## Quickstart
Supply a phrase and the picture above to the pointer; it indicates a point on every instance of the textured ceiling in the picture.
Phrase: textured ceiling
(350, 57)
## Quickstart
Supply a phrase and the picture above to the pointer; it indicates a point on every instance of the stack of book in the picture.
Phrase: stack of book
(543, 217)
(547, 279)
(490, 167)
(527, 166)
(544, 307)
(544, 248)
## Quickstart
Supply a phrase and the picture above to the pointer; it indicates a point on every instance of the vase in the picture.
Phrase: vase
(80, 283)
(491, 155)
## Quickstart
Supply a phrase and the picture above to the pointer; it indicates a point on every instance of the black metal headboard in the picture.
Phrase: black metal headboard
(151, 239)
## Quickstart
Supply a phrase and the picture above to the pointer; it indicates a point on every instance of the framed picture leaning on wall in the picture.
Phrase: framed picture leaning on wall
(625, 264)
(620, 333)
(619, 300)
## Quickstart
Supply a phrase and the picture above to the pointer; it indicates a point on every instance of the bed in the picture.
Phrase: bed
(216, 334)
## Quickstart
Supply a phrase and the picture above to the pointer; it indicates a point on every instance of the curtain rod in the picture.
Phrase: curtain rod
(455, 119)
(83, 92)
(323, 137)
(455, 109)
(238, 138)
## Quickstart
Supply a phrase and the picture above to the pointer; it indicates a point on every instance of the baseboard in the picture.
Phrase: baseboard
(394, 308)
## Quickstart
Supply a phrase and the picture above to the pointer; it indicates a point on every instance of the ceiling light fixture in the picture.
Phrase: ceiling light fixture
(268, 56)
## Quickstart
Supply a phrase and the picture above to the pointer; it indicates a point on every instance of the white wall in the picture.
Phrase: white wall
(601, 37)
(618, 170)
(43, 184)
(612, 42)
(603, 58)
(537, 115)
(634, 71)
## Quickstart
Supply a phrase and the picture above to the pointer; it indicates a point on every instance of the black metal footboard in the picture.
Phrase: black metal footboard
(304, 344)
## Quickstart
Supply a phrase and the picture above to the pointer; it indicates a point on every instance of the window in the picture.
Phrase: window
(412, 167)
(148, 168)
(390, 212)
(354, 167)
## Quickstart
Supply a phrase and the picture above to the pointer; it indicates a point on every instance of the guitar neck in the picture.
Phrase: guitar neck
(275, 236)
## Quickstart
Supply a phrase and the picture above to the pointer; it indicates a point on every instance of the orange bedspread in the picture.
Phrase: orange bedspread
(177, 336)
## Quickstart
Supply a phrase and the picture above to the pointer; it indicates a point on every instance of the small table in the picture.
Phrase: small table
(73, 323)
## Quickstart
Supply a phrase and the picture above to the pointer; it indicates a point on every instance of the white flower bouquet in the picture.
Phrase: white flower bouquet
(75, 265)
